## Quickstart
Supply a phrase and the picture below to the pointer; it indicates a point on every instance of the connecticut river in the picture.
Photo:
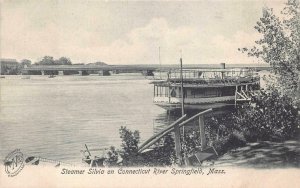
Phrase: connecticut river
(54, 117)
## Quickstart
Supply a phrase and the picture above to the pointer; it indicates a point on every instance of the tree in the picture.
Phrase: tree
(100, 63)
(63, 61)
(130, 141)
(47, 60)
(25, 62)
(279, 46)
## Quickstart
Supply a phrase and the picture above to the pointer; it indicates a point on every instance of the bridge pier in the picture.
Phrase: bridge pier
(80, 73)
(60, 73)
(104, 73)
(43, 72)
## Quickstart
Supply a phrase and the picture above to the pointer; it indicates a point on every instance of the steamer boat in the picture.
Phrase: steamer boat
(205, 88)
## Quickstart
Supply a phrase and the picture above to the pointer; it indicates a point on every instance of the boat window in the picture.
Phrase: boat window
(173, 93)
(198, 93)
(211, 92)
(228, 91)
(199, 74)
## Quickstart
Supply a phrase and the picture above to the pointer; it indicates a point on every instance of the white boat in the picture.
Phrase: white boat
(205, 88)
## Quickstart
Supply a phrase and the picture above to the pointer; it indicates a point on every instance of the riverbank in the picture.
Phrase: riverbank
(263, 154)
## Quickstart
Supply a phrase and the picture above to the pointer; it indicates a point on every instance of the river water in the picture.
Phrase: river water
(55, 117)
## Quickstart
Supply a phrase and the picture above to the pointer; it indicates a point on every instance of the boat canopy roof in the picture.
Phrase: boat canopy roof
(217, 70)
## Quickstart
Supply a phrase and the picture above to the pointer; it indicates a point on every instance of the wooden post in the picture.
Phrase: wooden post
(235, 96)
(177, 143)
(170, 128)
(182, 93)
(202, 132)
(87, 149)
(177, 128)
(169, 95)
(159, 63)
(161, 133)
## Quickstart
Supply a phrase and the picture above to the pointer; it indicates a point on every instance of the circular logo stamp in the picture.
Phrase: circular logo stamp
(14, 163)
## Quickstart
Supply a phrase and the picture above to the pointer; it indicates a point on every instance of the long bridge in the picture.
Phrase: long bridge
(108, 69)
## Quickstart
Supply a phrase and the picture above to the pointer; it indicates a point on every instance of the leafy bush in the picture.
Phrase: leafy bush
(161, 155)
(112, 157)
(129, 152)
(271, 116)
(228, 142)
(190, 141)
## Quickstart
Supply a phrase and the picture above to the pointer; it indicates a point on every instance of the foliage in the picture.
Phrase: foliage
(160, 155)
(63, 61)
(25, 62)
(97, 63)
(112, 157)
(272, 117)
(130, 141)
(8, 70)
(228, 142)
(190, 141)
(220, 132)
(48, 60)
(279, 46)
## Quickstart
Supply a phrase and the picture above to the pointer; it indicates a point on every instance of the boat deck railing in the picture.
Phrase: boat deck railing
(206, 82)
(207, 74)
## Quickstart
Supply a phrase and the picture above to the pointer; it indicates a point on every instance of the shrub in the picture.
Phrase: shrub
(271, 116)
(159, 155)
(129, 152)
(112, 157)
(228, 142)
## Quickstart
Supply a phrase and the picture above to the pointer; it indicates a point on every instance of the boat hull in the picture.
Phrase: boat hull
(194, 103)
(203, 106)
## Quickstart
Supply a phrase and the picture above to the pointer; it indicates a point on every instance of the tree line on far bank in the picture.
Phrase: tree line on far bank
(46, 60)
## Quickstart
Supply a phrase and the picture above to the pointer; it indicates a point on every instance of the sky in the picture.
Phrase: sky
(128, 32)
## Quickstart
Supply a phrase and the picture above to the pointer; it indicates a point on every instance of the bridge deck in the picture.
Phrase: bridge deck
(135, 67)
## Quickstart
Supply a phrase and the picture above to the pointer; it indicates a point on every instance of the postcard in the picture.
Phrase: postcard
(150, 93)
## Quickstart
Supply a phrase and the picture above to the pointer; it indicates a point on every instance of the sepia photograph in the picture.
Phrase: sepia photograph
(98, 93)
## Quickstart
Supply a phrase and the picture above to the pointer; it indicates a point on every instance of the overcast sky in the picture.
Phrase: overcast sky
(130, 32)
